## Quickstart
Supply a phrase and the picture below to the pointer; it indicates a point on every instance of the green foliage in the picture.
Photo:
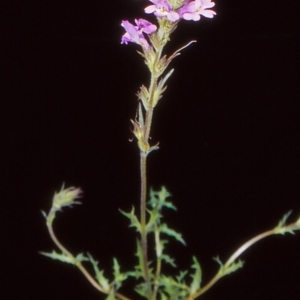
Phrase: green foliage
(152, 284)
(103, 281)
(65, 258)
(161, 286)
(163, 228)
(172, 288)
(119, 277)
(158, 199)
(139, 268)
(283, 228)
(157, 202)
(226, 269)
(134, 222)
(197, 276)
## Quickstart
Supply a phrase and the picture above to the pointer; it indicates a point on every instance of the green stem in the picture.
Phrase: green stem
(157, 275)
(231, 260)
(143, 162)
(143, 167)
(143, 174)
(79, 265)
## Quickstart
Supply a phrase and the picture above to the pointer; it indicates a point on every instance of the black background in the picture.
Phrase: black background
(228, 128)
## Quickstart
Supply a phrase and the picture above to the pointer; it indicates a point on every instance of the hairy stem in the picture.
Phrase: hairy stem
(143, 162)
(143, 173)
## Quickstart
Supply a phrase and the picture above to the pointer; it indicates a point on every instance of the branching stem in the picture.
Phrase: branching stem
(232, 259)
(79, 265)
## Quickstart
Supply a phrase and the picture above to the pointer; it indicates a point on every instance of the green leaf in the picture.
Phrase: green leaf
(165, 229)
(197, 276)
(181, 276)
(233, 267)
(142, 289)
(111, 296)
(159, 245)
(158, 199)
(227, 269)
(282, 222)
(116, 267)
(217, 259)
(44, 214)
(176, 290)
(80, 257)
(169, 260)
(139, 254)
(102, 280)
(163, 296)
(155, 217)
(119, 277)
(133, 219)
(56, 256)
(283, 228)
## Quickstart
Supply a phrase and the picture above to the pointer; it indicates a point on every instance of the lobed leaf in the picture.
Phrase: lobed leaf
(61, 257)
(118, 276)
(102, 280)
(178, 236)
(169, 260)
(133, 219)
(197, 276)
(227, 269)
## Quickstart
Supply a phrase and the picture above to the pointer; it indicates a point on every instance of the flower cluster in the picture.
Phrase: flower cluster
(66, 197)
(192, 10)
(135, 34)
(163, 9)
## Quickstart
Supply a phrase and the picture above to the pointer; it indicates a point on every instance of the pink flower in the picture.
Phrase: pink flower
(145, 26)
(135, 34)
(162, 8)
(192, 10)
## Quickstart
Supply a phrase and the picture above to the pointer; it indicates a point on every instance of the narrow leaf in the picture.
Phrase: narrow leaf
(165, 229)
(104, 282)
(56, 256)
(197, 276)
(134, 222)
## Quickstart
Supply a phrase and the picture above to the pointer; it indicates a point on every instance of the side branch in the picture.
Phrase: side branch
(232, 265)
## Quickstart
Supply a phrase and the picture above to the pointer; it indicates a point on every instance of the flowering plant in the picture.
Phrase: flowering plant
(151, 282)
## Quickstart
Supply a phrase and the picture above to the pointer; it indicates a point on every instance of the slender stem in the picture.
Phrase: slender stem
(79, 265)
(206, 287)
(143, 167)
(143, 173)
(232, 259)
(143, 162)
(247, 245)
(158, 260)
(57, 243)
(157, 275)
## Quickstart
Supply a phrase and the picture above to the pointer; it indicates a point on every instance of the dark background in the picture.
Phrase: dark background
(228, 128)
